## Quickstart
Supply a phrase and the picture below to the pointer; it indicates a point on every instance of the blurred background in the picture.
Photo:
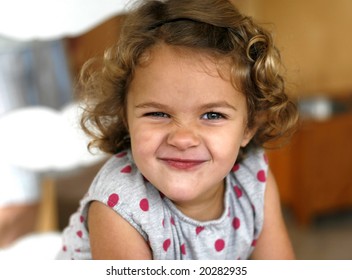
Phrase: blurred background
(46, 169)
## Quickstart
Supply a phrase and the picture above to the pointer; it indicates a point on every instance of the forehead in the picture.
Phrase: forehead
(202, 57)
(183, 76)
(163, 59)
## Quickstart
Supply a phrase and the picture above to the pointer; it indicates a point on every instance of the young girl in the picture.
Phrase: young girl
(184, 102)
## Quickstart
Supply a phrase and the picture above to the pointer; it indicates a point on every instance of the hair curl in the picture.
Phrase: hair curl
(214, 26)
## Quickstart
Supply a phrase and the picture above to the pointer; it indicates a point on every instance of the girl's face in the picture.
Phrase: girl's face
(186, 125)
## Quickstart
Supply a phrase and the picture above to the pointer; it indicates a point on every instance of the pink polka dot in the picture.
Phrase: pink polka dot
(113, 200)
(238, 191)
(219, 245)
(199, 230)
(261, 176)
(236, 167)
(163, 222)
(236, 223)
(121, 155)
(254, 242)
(172, 221)
(126, 169)
(183, 249)
(64, 248)
(81, 219)
(79, 233)
(166, 244)
(144, 204)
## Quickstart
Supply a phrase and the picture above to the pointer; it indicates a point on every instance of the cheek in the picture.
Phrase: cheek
(227, 156)
(228, 138)
(225, 145)
(143, 141)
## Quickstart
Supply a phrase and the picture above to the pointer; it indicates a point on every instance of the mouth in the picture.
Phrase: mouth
(182, 164)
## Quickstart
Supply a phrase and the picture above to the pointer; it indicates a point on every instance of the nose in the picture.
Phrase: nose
(183, 138)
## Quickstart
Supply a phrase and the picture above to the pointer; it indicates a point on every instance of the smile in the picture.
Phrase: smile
(182, 164)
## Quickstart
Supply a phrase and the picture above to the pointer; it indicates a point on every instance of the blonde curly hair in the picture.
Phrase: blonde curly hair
(213, 26)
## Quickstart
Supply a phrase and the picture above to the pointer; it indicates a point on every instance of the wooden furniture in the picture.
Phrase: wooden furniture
(314, 172)
(48, 217)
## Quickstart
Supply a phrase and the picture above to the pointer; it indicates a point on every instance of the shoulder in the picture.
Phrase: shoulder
(119, 173)
(119, 165)
(121, 186)
(252, 170)
(249, 180)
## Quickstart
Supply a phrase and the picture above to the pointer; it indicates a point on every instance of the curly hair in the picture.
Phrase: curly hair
(213, 26)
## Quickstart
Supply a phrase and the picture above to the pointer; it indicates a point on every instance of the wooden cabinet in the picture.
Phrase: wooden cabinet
(314, 172)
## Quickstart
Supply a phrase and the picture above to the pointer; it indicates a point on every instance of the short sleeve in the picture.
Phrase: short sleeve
(120, 186)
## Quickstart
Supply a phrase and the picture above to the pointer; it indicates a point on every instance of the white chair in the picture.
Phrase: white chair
(42, 139)
(46, 141)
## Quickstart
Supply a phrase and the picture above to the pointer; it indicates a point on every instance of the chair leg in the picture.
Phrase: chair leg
(48, 215)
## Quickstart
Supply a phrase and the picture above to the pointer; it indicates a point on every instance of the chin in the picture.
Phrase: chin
(181, 194)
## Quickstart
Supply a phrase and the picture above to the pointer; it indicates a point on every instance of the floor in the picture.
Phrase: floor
(329, 237)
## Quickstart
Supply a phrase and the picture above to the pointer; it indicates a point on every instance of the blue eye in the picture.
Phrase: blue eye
(212, 116)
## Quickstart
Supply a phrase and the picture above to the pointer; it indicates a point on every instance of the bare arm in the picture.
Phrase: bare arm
(112, 237)
(274, 242)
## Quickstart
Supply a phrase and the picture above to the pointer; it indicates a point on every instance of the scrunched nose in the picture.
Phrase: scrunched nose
(183, 138)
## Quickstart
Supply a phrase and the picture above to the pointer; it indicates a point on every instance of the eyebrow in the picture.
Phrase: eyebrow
(221, 104)
(207, 106)
(154, 106)
(151, 105)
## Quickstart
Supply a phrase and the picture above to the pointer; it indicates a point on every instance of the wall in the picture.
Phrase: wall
(314, 39)
(313, 36)
(315, 43)
(94, 42)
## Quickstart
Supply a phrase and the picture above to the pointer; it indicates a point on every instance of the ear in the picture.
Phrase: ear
(251, 131)
(247, 136)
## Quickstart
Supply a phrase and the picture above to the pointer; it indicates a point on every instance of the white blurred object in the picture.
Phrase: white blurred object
(317, 108)
(40, 139)
(25, 185)
(39, 246)
(50, 19)
(43, 139)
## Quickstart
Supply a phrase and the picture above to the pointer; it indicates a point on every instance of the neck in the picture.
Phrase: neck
(210, 208)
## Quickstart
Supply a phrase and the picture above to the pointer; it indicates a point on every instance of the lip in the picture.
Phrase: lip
(182, 164)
